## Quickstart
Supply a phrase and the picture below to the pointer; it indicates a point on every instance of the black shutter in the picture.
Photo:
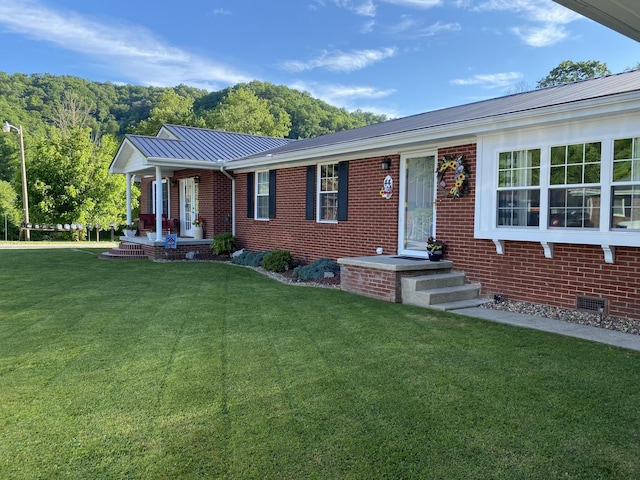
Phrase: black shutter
(272, 193)
(343, 190)
(311, 193)
(250, 195)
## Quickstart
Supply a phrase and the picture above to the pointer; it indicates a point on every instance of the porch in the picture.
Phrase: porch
(142, 247)
(409, 280)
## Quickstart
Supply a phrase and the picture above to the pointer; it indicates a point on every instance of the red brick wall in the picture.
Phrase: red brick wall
(214, 198)
(523, 273)
(372, 220)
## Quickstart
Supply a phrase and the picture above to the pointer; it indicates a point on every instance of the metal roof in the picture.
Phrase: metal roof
(202, 144)
(486, 109)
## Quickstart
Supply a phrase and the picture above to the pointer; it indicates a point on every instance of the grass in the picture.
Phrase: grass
(191, 370)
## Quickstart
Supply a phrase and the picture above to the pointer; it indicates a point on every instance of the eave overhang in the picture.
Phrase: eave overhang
(623, 16)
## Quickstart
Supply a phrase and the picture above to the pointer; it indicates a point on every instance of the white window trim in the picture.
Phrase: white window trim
(257, 195)
(153, 196)
(604, 130)
(319, 193)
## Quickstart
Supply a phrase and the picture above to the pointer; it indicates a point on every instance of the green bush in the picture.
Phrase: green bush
(224, 243)
(278, 261)
(249, 259)
(316, 270)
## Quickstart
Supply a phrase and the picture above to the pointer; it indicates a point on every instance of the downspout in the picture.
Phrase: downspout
(233, 199)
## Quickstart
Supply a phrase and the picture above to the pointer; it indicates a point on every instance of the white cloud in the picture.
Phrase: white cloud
(129, 49)
(345, 96)
(490, 80)
(365, 8)
(341, 61)
(541, 36)
(221, 11)
(410, 27)
(438, 27)
(546, 19)
(416, 3)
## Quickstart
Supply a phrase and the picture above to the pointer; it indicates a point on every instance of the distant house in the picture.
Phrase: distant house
(545, 205)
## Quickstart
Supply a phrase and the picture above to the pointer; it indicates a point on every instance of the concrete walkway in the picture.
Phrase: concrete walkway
(586, 332)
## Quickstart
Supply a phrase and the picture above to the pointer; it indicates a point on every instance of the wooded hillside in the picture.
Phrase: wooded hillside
(68, 120)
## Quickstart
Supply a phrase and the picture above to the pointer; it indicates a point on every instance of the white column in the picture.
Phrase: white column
(158, 202)
(128, 177)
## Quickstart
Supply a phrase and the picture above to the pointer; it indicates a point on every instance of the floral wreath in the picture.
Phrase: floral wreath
(458, 165)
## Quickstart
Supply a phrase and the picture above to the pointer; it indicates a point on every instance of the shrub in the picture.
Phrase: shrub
(249, 259)
(316, 270)
(278, 261)
(224, 243)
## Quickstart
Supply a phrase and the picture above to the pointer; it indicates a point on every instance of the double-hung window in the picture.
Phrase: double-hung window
(625, 191)
(328, 193)
(574, 185)
(519, 188)
(262, 195)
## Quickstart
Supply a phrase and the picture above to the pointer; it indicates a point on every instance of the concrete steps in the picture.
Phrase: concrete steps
(441, 291)
(125, 251)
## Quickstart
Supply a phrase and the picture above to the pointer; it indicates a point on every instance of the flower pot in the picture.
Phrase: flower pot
(151, 236)
(435, 255)
(198, 233)
(129, 233)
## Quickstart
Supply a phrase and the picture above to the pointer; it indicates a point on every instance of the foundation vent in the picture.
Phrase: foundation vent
(597, 305)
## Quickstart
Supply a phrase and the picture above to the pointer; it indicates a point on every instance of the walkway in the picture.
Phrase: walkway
(586, 332)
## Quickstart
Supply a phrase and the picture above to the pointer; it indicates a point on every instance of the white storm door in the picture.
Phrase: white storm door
(188, 206)
(417, 205)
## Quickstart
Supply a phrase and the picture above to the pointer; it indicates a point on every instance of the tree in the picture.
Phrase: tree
(242, 111)
(70, 182)
(171, 108)
(8, 202)
(569, 71)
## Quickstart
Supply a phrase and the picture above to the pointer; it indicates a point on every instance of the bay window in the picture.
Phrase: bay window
(518, 202)
(572, 203)
(625, 192)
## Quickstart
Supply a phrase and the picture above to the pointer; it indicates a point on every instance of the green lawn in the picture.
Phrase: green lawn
(112, 369)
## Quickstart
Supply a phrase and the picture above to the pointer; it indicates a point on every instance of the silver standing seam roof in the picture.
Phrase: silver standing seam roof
(202, 144)
(521, 102)
(217, 146)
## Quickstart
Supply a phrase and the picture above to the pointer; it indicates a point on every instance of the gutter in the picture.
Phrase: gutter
(233, 198)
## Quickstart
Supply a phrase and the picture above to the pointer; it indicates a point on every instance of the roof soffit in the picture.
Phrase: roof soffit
(623, 16)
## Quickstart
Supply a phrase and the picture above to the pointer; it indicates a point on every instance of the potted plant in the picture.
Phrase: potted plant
(435, 249)
(198, 228)
(130, 230)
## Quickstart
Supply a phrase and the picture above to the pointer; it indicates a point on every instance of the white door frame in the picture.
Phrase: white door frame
(188, 205)
(402, 220)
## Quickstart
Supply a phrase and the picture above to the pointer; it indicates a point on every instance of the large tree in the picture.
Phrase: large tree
(69, 179)
(8, 202)
(242, 111)
(171, 108)
(569, 71)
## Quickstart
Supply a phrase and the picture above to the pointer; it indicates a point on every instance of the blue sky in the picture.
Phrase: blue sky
(397, 57)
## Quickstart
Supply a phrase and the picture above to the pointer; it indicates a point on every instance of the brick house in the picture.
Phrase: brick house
(547, 208)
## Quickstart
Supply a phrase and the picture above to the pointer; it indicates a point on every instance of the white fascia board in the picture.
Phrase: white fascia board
(539, 116)
(184, 163)
(128, 159)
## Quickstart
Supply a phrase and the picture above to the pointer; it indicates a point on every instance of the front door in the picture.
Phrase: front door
(188, 206)
(417, 209)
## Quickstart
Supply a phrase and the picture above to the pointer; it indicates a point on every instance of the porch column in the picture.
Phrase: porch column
(128, 177)
(158, 202)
